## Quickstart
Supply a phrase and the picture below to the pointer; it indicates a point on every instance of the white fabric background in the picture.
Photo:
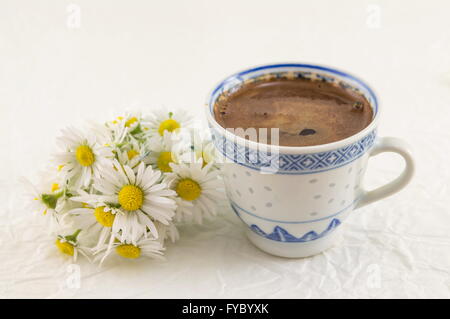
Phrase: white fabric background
(172, 53)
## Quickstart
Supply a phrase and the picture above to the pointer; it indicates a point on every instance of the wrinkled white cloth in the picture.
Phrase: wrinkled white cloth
(54, 74)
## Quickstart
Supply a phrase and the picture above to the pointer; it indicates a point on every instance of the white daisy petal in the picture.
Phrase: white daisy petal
(130, 174)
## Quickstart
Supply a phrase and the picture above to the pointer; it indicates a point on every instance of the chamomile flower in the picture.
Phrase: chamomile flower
(123, 183)
(132, 122)
(96, 220)
(109, 134)
(49, 198)
(164, 150)
(197, 188)
(69, 245)
(144, 247)
(132, 154)
(140, 199)
(164, 120)
(82, 157)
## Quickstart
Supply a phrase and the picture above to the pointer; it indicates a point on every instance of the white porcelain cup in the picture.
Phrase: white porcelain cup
(293, 200)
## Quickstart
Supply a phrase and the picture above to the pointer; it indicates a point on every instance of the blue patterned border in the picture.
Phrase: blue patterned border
(280, 234)
(291, 163)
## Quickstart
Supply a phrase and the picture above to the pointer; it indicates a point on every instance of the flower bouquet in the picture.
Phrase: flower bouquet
(120, 187)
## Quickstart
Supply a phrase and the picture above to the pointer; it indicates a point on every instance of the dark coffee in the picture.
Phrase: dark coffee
(307, 112)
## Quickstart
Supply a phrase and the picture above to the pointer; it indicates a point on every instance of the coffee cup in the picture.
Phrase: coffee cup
(294, 200)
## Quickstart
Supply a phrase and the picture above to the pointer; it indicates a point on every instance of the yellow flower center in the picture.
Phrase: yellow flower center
(131, 121)
(163, 161)
(59, 168)
(55, 187)
(84, 155)
(169, 125)
(65, 247)
(188, 189)
(131, 197)
(128, 251)
(104, 218)
(132, 153)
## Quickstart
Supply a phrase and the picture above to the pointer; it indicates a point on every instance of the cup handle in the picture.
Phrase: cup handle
(395, 145)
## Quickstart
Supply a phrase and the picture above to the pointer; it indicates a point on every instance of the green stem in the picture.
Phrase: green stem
(73, 237)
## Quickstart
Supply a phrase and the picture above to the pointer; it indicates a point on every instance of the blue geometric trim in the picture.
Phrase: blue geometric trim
(281, 163)
(280, 234)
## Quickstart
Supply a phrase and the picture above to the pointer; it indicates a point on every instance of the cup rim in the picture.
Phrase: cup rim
(294, 149)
